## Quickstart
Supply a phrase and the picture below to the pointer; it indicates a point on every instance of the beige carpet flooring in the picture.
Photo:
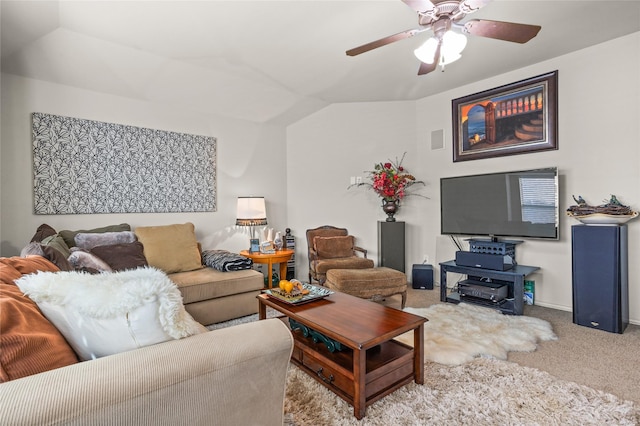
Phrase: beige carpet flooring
(609, 362)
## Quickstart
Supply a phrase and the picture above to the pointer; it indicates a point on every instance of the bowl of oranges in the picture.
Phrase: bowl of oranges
(289, 290)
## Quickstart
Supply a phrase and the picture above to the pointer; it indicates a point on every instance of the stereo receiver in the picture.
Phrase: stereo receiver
(496, 262)
(483, 290)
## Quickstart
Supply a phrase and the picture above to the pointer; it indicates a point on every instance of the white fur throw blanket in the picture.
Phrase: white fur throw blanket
(111, 312)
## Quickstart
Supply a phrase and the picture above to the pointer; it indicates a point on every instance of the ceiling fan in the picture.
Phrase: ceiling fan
(446, 45)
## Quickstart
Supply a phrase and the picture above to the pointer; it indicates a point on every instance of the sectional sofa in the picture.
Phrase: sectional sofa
(200, 378)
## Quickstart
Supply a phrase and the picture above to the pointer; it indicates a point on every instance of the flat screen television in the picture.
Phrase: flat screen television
(507, 204)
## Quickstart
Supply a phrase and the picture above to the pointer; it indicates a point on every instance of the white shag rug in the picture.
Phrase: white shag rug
(456, 334)
(484, 391)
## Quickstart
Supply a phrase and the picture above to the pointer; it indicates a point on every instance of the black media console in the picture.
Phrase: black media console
(513, 277)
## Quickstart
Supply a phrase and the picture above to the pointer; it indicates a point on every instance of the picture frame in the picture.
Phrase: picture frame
(516, 118)
(267, 247)
(254, 245)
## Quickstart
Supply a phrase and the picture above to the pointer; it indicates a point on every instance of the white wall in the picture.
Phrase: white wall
(343, 140)
(250, 157)
(598, 123)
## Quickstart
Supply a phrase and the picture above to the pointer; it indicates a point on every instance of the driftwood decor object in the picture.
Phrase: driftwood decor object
(610, 213)
(613, 206)
(84, 166)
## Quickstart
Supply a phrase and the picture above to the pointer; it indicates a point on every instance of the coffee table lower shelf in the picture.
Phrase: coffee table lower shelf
(389, 366)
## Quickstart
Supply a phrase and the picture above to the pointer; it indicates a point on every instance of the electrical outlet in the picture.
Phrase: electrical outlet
(352, 180)
(425, 259)
(358, 180)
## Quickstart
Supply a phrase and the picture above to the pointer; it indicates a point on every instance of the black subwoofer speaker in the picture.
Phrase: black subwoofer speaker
(422, 277)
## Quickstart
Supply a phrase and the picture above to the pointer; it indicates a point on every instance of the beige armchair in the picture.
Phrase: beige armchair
(333, 248)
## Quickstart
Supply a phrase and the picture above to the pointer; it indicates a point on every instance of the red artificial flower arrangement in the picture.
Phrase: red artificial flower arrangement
(391, 181)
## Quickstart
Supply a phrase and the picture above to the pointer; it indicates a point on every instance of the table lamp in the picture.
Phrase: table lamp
(251, 212)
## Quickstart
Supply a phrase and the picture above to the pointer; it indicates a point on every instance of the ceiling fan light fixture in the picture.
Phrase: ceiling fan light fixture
(453, 43)
(447, 59)
(427, 52)
(452, 46)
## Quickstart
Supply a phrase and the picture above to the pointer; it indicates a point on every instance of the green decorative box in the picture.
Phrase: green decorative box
(331, 344)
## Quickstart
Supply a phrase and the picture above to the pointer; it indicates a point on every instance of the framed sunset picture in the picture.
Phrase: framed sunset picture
(517, 118)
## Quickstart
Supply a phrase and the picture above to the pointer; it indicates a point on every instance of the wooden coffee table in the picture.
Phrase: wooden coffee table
(370, 364)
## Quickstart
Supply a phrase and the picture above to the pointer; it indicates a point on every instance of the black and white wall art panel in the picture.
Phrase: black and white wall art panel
(84, 166)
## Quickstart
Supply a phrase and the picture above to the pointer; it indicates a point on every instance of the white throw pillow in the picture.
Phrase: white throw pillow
(111, 312)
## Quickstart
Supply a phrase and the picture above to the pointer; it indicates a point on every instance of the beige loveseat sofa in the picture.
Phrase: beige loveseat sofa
(231, 376)
(209, 295)
(212, 296)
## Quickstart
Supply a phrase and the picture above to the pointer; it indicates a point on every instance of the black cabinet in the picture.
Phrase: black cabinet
(391, 245)
(600, 276)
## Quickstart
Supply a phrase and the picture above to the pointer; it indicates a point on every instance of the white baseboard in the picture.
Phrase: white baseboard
(552, 306)
(567, 309)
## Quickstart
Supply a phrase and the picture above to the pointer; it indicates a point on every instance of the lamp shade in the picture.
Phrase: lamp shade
(251, 211)
(427, 52)
(452, 46)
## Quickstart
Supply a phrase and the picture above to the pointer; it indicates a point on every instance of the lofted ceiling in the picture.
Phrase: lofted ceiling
(275, 61)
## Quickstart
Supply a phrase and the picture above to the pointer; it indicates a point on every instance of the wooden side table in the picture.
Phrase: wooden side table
(280, 256)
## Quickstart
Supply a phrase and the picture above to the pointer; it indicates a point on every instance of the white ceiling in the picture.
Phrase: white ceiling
(275, 61)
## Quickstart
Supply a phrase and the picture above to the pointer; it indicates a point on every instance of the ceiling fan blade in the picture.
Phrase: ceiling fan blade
(427, 68)
(384, 41)
(419, 5)
(508, 31)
